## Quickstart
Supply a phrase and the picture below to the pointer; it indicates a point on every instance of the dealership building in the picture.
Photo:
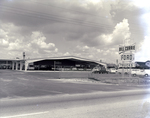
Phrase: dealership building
(65, 63)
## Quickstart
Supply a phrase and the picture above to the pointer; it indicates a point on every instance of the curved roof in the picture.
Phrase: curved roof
(65, 57)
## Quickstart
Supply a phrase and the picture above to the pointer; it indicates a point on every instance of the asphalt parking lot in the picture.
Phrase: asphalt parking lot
(15, 84)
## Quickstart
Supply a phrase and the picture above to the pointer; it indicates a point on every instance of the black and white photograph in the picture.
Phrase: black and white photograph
(74, 59)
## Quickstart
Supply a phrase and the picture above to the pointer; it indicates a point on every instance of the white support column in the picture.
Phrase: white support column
(21, 64)
(16, 65)
(105, 67)
(13, 64)
(26, 65)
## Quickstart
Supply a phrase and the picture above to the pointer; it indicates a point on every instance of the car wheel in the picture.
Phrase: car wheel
(146, 75)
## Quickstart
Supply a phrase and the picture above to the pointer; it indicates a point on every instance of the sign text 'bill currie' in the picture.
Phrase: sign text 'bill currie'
(127, 48)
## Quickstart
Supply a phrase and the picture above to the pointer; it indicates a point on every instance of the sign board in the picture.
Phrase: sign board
(127, 65)
(126, 48)
(127, 57)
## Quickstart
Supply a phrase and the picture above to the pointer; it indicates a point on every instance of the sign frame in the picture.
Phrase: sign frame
(127, 50)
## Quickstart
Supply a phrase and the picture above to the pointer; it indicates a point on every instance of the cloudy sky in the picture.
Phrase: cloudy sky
(91, 29)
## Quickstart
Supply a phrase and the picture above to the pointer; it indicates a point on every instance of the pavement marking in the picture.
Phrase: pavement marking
(56, 91)
(5, 80)
(21, 78)
(23, 115)
(45, 90)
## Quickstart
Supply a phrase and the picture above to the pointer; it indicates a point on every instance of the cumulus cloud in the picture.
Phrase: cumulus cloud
(96, 53)
(4, 38)
(39, 46)
(67, 54)
(143, 53)
(14, 43)
(38, 39)
(120, 33)
(3, 43)
(3, 34)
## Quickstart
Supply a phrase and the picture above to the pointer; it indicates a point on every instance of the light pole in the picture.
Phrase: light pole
(54, 65)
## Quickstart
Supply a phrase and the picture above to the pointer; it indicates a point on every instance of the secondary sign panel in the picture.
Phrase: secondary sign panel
(127, 64)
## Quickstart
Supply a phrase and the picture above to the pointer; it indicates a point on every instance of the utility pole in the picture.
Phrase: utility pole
(24, 55)
(23, 63)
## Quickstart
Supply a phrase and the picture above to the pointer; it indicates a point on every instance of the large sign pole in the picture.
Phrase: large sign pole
(123, 67)
(123, 60)
(126, 56)
(130, 65)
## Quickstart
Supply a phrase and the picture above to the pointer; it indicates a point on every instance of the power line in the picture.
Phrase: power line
(104, 18)
(50, 16)
(62, 8)
(57, 18)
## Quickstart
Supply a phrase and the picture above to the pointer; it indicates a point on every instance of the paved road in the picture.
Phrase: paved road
(123, 104)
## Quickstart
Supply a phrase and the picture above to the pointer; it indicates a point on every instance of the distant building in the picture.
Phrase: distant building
(143, 65)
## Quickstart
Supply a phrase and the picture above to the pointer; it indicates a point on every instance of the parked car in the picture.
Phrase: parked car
(126, 71)
(141, 72)
(112, 70)
(100, 71)
(103, 72)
